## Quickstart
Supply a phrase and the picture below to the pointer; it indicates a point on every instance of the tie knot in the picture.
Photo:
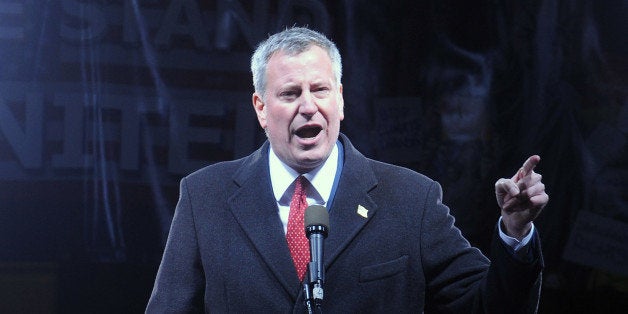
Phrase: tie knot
(299, 187)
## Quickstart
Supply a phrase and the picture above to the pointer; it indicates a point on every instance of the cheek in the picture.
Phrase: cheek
(278, 119)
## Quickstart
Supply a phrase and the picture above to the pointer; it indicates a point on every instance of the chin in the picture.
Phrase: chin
(309, 163)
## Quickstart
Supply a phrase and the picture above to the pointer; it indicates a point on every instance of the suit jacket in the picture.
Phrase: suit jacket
(226, 250)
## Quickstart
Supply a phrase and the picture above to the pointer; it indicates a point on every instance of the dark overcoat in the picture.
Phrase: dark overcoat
(392, 248)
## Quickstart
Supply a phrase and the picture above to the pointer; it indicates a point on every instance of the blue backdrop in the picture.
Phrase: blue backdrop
(106, 104)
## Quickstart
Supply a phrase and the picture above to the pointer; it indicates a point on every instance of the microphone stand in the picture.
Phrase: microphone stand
(311, 301)
(307, 296)
(312, 297)
(316, 286)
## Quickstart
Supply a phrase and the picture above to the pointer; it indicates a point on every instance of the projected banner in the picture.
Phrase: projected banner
(98, 98)
(89, 82)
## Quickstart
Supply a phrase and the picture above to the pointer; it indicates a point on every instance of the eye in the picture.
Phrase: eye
(322, 91)
(289, 95)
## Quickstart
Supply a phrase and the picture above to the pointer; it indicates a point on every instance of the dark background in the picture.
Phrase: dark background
(105, 105)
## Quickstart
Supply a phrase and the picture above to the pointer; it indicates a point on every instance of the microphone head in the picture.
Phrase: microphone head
(316, 215)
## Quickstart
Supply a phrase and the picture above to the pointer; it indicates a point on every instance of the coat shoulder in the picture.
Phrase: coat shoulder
(390, 172)
(238, 170)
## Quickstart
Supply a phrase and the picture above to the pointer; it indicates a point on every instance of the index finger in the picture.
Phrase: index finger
(527, 167)
(530, 163)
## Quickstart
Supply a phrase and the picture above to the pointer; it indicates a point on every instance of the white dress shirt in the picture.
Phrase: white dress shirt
(321, 181)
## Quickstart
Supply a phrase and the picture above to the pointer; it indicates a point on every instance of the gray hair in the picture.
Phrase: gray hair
(292, 41)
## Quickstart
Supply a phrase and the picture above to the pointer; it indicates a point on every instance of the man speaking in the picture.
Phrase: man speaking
(237, 241)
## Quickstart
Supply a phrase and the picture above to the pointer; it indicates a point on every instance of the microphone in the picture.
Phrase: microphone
(316, 230)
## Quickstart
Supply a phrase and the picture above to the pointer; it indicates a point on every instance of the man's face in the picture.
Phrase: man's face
(302, 108)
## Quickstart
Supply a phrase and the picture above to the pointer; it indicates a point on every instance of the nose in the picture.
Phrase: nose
(307, 104)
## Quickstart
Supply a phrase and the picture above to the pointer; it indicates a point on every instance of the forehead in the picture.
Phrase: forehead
(312, 61)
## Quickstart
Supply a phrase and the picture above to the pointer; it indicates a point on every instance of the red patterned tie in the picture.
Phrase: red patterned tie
(297, 242)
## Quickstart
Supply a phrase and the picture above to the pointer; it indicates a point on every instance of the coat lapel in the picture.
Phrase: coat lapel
(353, 207)
(255, 209)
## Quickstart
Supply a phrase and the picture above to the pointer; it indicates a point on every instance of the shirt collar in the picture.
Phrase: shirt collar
(321, 178)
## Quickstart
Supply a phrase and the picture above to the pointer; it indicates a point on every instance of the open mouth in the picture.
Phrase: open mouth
(308, 131)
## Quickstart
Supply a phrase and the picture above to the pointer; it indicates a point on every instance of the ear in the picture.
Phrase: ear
(341, 104)
(260, 109)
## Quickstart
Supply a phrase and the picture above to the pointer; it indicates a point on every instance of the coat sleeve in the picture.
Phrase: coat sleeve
(179, 286)
(460, 279)
(513, 282)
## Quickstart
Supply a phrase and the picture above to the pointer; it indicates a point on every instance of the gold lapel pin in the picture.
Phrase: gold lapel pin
(363, 211)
